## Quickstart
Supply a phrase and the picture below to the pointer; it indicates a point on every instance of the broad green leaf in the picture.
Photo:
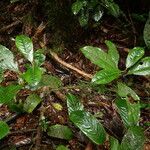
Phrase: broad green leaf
(98, 57)
(147, 33)
(112, 7)
(124, 91)
(7, 93)
(89, 125)
(4, 129)
(7, 59)
(51, 81)
(112, 52)
(39, 57)
(134, 56)
(114, 143)
(33, 75)
(73, 103)
(142, 68)
(77, 6)
(133, 139)
(123, 110)
(62, 147)
(60, 131)
(25, 46)
(31, 102)
(105, 76)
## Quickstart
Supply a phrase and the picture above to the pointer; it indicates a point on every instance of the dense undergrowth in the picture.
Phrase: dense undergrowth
(95, 95)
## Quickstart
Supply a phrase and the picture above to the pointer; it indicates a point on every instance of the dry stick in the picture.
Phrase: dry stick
(84, 74)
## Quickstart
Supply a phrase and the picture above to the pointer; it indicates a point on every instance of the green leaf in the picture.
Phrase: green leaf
(73, 103)
(124, 91)
(105, 76)
(39, 57)
(33, 75)
(133, 139)
(77, 6)
(4, 129)
(25, 46)
(134, 56)
(99, 57)
(7, 59)
(147, 33)
(142, 68)
(89, 125)
(84, 18)
(62, 147)
(7, 93)
(60, 131)
(112, 52)
(31, 102)
(114, 144)
(51, 81)
(98, 14)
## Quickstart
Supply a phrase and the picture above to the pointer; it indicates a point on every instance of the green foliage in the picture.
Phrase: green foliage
(62, 147)
(86, 122)
(4, 129)
(94, 9)
(7, 60)
(60, 131)
(31, 103)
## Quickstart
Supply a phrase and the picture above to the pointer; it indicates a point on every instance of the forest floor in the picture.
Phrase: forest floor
(26, 134)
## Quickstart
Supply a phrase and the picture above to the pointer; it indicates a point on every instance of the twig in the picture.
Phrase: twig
(84, 74)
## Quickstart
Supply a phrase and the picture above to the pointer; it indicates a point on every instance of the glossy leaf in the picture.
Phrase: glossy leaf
(31, 102)
(7, 93)
(114, 144)
(7, 59)
(147, 33)
(142, 68)
(104, 76)
(51, 81)
(89, 125)
(60, 131)
(99, 57)
(134, 55)
(39, 57)
(124, 91)
(73, 103)
(77, 6)
(112, 52)
(4, 129)
(33, 75)
(62, 147)
(133, 139)
(25, 46)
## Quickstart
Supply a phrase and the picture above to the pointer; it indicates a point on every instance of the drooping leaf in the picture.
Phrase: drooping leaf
(77, 6)
(39, 57)
(133, 139)
(112, 51)
(105, 76)
(142, 68)
(73, 103)
(99, 57)
(89, 125)
(60, 131)
(146, 32)
(7, 59)
(62, 147)
(31, 102)
(25, 46)
(114, 144)
(134, 55)
(124, 91)
(33, 75)
(7, 93)
(4, 129)
(51, 81)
